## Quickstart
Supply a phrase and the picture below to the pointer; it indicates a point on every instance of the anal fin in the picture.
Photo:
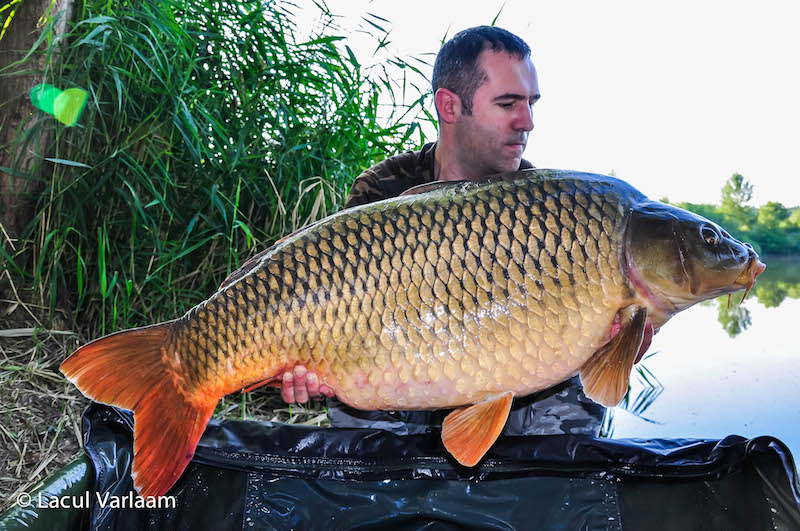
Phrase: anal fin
(605, 376)
(469, 432)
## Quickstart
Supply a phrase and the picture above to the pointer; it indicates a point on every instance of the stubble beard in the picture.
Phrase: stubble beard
(482, 150)
(479, 150)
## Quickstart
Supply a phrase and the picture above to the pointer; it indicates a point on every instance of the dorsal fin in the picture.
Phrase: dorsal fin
(438, 185)
(251, 263)
(430, 187)
(246, 268)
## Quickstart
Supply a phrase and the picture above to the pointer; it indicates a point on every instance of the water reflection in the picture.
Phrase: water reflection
(780, 280)
(704, 380)
(734, 319)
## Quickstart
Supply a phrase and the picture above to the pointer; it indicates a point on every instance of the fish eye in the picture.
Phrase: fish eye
(710, 236)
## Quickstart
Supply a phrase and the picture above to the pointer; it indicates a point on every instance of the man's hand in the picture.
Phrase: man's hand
(300, 385)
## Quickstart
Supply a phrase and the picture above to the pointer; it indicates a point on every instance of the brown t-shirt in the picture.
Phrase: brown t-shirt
(397, 174)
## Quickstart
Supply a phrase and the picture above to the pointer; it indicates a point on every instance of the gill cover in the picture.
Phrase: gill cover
(680, 258)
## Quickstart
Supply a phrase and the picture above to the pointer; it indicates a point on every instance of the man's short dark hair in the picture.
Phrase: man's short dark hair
(456, 67)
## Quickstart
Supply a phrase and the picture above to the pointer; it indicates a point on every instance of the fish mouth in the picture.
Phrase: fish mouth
(748, 276)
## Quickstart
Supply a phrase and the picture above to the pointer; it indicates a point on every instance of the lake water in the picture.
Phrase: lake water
(713, 372)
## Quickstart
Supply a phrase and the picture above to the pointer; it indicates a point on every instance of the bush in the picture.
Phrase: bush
(209, 133)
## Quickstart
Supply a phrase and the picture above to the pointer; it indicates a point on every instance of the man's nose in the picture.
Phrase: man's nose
(524, 119)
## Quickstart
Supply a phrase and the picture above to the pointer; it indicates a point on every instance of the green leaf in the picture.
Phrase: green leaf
(79, 272)
(247, 232)
(68, 163)
(96, 20)
(8, 260)
(191, 225)
(101, 261)
(352, 57)
(89, 39)
(323, 40)
(494, 20)
(374, 24)
(111, 284)
(118, 85)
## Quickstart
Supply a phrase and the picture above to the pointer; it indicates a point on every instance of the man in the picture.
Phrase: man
(485, 86)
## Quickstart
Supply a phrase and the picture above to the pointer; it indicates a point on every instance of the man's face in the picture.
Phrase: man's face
(493, 137)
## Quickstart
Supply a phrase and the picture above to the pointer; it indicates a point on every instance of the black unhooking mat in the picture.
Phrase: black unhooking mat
(254, 475)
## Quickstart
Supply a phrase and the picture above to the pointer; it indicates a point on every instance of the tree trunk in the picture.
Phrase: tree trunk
(18, 190)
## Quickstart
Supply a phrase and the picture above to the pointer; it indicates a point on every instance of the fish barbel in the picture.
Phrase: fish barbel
(452, 295)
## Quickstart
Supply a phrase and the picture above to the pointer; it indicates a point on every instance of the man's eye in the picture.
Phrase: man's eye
(506, 105)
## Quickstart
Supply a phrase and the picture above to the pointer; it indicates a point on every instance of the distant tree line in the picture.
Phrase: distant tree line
(771, 228)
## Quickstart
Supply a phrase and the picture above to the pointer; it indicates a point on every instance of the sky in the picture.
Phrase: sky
(673, 97)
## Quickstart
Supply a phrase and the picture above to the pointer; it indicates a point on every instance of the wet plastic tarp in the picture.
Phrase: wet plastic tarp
(71, 482)
(255, 475)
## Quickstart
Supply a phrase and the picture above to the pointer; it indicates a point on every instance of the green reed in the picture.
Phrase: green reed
(210, 132)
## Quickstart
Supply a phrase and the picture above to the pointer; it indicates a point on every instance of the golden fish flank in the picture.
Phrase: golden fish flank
(462, 295)
(503, 287)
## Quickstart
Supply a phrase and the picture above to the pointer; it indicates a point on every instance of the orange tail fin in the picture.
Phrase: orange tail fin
(126, 370)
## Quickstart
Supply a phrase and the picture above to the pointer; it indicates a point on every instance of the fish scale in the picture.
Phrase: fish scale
(453, 295)
(423, 303)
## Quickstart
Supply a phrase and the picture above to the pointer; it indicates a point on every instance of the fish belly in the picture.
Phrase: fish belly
(431, 378)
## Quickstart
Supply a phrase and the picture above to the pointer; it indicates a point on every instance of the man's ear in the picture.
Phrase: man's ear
(448, 105)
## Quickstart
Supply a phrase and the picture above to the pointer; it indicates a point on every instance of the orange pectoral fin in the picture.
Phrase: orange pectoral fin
(605, 376)
(469, 432)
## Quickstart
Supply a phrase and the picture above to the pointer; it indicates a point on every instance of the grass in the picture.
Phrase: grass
(40, 412)
(211, 130)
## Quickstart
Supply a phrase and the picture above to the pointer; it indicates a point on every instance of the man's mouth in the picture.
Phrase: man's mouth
(519, 146)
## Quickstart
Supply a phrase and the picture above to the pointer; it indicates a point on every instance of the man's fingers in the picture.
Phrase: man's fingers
(300, 385)
(312, 384)
(327, 391)
(287, 389)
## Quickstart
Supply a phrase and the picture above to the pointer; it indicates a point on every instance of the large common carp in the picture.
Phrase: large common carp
(456, 295)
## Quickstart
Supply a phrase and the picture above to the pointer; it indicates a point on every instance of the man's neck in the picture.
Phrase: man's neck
(447, 164)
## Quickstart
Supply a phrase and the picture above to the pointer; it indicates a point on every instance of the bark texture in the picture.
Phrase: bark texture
(20, 186)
